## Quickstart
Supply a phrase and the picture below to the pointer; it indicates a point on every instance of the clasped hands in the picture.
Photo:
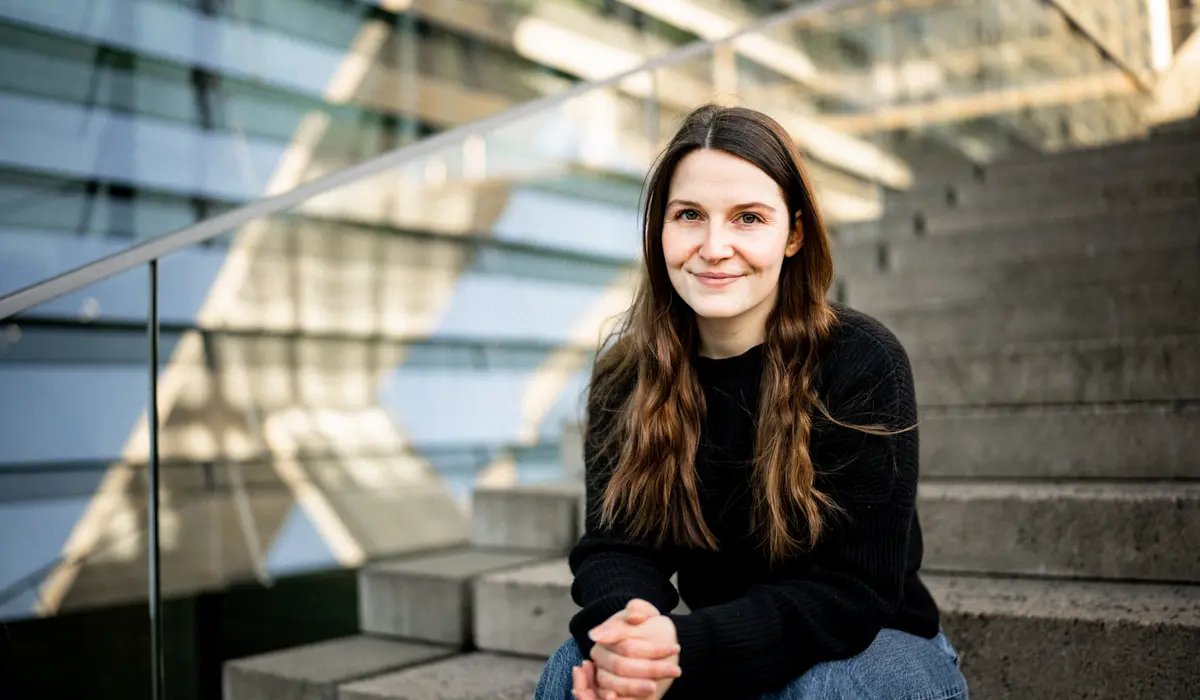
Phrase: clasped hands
(636, 655)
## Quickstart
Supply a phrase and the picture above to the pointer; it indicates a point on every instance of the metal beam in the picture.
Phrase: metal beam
(982, 104)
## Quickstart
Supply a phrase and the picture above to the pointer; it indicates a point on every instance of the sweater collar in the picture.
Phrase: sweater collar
(745, 367)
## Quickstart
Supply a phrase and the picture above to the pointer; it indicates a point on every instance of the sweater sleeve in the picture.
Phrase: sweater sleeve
(831, 604)
(610, 566)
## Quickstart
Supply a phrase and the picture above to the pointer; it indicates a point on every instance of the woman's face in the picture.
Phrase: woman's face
(726, 235)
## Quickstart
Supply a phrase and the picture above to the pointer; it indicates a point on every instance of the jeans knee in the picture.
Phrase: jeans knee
(901, 666)
(556, 682)
(567, 656)
(897, 666)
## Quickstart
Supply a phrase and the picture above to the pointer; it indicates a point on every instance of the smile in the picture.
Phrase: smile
(716, 279)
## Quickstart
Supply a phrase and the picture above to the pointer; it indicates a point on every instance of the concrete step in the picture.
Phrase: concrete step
(572, 451)
(1146, 531)
(1127, 370)
(1100, 191)
(941, 221)
(1099, 634)
(428, 597)
(314, 671)
(1189, 126)
(545, 517)
(1072, 640)
(1073, 314)
(467, 677)
(1112, 441)
(524, 610)
(1145, 174)
(1141, 154)
(1135, 235)
(1119, 225)
(1020, 280)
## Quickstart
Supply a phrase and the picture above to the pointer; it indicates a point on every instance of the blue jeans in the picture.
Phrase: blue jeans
(897, 666)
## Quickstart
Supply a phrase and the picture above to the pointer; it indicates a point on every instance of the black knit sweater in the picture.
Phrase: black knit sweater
(754, 628)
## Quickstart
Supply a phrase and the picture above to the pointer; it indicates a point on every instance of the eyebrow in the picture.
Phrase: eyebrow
(747, 205)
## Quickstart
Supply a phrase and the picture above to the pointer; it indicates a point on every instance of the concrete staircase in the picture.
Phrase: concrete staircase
(1056, 346)
(1051, 308)
(446, 624)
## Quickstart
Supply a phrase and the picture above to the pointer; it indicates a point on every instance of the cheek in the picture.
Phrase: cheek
(762, 256)
(676, 249)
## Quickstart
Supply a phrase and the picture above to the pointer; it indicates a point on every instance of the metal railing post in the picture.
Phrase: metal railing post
(157, 688)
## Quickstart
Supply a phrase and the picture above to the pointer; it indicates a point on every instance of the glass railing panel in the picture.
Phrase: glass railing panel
(343, 383)
(73, 487)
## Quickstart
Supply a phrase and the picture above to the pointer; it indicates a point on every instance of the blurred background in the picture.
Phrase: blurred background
(1011, 186)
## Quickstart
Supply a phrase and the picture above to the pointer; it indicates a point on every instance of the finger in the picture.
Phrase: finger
(591, 692)
(638, 648)
(638, 611)
(611, 632)
(625, 687)
(605, 628)
(580, 688)
(608, 660)
(637, 618)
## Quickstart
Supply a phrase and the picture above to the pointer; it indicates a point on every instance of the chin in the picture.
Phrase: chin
(716, 309)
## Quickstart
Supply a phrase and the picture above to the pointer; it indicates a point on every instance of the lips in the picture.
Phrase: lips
(716, 279)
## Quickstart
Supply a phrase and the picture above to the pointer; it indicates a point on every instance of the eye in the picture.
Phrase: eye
(688, 215)
(749, 218)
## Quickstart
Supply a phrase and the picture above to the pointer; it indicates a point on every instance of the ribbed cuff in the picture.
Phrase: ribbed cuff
(691, 630)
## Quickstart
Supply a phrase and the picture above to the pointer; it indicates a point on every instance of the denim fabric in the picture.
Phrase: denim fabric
(897, 666)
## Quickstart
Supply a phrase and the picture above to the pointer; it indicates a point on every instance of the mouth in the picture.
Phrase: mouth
(716, 279)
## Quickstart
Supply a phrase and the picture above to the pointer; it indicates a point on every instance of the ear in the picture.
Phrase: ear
(795, 238)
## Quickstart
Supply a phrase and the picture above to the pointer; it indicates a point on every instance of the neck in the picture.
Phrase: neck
(729, 337)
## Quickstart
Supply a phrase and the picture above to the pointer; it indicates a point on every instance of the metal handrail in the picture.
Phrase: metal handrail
(143, 253)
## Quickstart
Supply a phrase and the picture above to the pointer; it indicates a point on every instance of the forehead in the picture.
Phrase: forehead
(715, 178)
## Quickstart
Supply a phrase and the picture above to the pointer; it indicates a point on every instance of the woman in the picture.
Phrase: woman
(756, 440)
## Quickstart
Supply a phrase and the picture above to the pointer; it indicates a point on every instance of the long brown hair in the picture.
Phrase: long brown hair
(646, 389)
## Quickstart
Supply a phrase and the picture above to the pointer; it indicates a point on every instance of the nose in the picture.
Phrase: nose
(715, 245)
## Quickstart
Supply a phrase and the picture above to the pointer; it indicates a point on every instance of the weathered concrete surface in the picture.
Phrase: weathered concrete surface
(1028, 282)
(903, 227)
(1147, 531)
(1135, 441)
(1164, 152)
(1097, 189)
(315, 671)
(1037, 243)
(1128, 370)
(1103, 191)
(526, 610)
(1097, 312)
(1069, 640)
(467, 677)
(428, 598)
(535, 516)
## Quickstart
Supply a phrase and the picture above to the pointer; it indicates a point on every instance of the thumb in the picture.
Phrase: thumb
(638, 611)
